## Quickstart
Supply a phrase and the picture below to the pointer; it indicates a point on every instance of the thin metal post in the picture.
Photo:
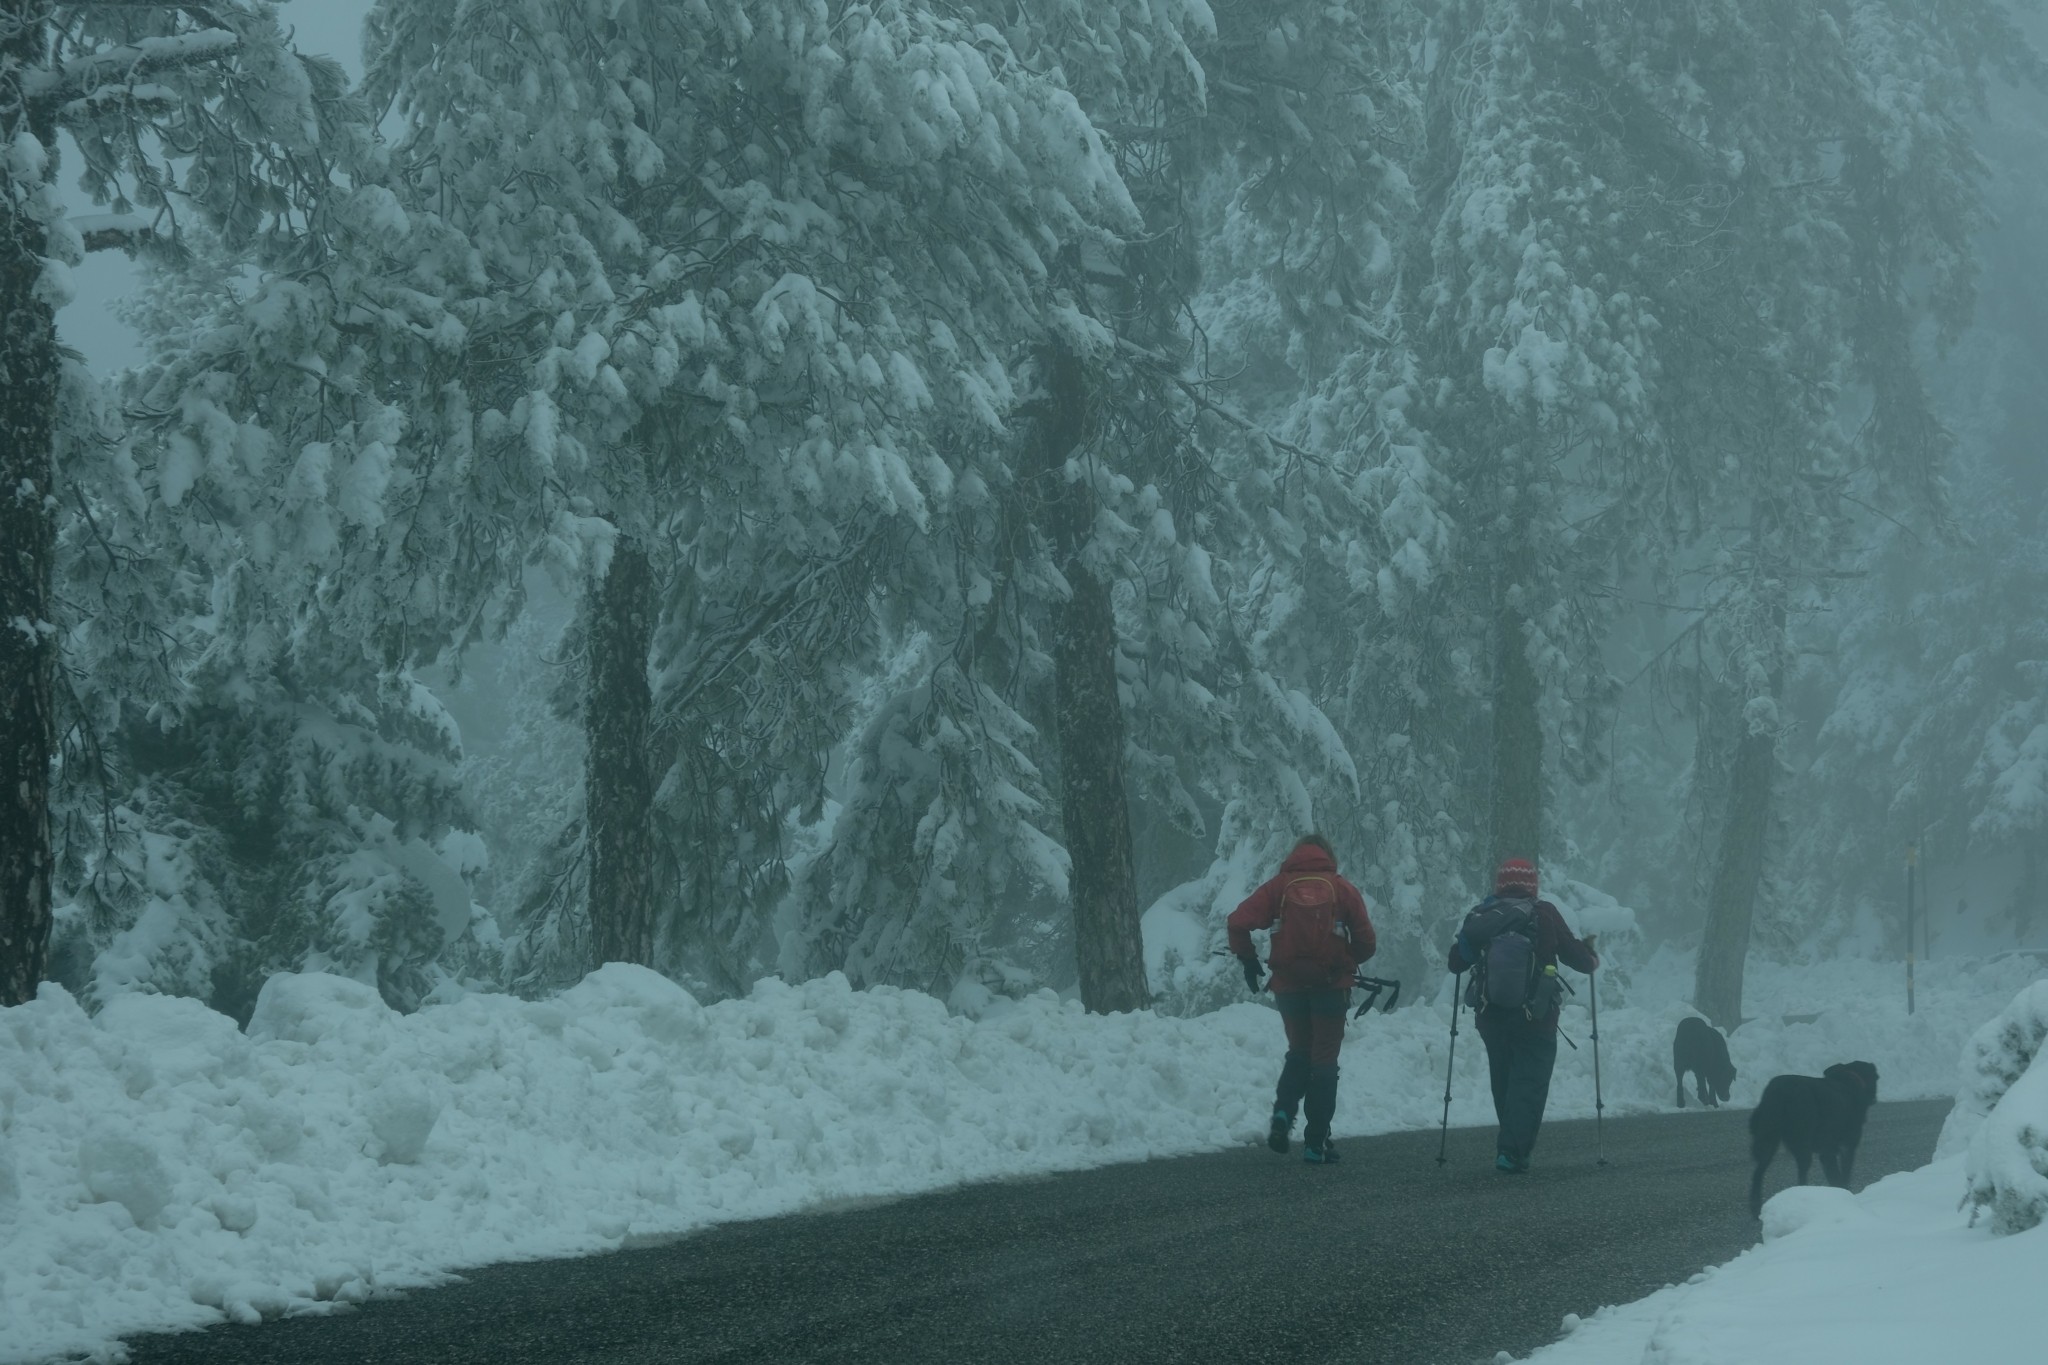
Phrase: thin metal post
(1926, 912)
(1599, 1104)
(1912, 861)
(1457, 996)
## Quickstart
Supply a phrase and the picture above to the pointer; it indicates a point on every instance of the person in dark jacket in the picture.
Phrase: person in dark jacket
(1322, 937)
(1521, 1048)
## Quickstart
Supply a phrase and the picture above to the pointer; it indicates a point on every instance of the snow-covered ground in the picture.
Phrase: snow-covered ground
(1891, 1276)
(160, 1168)
(1904, 1272)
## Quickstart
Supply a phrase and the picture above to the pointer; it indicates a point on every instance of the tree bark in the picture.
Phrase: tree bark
(1094, 801)
(619, 777)
(1739, 861)
(1517, 746)
(1738, 870)
(29, 368)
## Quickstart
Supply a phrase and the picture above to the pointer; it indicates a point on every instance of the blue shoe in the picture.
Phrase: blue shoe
(1508, 1165)
(1276, 1135)
(1325, 1155)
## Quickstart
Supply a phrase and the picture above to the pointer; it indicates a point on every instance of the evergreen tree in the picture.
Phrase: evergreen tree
(788, 256)
(175, 111)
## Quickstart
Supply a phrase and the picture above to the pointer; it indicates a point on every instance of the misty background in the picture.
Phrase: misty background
(1885, 630)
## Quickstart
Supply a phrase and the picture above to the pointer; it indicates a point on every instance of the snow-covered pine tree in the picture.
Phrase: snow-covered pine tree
(1541, 215)
(944, 739)
(1475, 382)
(273, 789)
(1103, 623)
(1923, 697)
(1843, 421)
(1086, 605)
(784, 252)
(1103, 428)
(1300, 205)
(176, 112)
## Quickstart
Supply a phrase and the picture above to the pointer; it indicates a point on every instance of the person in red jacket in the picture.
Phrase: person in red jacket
(1321, 939)
(1521, 1046)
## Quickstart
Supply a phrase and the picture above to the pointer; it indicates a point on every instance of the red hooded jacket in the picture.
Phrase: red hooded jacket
(1261, 910)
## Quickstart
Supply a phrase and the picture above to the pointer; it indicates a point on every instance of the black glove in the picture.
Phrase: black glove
(1253, 974)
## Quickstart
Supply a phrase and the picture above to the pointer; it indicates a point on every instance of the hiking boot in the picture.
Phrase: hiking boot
(1276, 1135)
(1325, 1155)
(1508, 1165)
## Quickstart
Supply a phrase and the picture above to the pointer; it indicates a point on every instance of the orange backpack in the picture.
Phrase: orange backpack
(1310, 932)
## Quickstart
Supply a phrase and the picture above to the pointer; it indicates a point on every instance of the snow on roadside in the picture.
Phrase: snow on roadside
(1891, 1276)
(2007, 1164)
(160, 1168)
(166, 1170)
(1903, 1272)
(1801, 1019)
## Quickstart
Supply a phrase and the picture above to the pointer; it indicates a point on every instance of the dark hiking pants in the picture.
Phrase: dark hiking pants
(1315, 1032)
(1519, 1058)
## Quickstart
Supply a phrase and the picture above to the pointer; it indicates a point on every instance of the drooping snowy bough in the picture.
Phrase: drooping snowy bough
(2001, 1115)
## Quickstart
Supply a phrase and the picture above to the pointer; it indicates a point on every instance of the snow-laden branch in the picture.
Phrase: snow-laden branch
(118, 232)
(120, 94)
(85, 76)
(1202, 400)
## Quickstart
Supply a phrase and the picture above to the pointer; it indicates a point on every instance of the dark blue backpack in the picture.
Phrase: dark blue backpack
(1498, 939)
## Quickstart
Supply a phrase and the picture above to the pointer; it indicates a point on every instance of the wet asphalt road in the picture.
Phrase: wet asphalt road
(1239, 1256)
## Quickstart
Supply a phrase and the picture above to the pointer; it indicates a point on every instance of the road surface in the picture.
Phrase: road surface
(1233, 1258)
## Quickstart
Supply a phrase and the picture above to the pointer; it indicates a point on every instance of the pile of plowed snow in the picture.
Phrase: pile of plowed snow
(161, 1168)
(1905, 1271)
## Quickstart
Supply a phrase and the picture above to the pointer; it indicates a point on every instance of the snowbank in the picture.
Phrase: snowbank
(1801, 1019)
(1891, 1276)
(165, 1169)
(160, 1168)
(1898, 1273)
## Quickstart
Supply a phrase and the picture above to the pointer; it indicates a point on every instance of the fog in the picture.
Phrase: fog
(1622, 451)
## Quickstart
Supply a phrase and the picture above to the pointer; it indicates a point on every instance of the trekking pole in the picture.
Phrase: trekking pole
(1599, 1136)
(1444, 1140)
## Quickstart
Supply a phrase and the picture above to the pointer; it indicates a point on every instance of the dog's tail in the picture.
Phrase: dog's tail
(1763, 1149)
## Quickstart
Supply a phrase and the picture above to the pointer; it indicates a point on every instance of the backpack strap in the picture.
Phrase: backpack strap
(1299, 878)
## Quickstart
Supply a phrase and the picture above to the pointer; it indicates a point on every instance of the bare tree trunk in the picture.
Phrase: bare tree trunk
(1094, 803)
(2026, 900)
(1517, 745)
(1739, 861)
(28, 642)
(1738, 870)
(619, 778)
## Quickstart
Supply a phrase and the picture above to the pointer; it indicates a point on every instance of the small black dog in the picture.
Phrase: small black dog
(1698, 1047)
(1812, 1116)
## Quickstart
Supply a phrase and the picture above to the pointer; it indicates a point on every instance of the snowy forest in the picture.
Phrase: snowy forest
(947, 492)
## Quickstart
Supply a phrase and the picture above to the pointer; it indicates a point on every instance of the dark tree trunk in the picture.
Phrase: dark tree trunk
(1739, 861)
(2026, 901)
(619, 777)
(1738, 870)
(1094, 804)
(1517, 745)
(28, 644)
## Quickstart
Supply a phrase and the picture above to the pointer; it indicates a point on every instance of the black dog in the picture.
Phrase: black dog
(1812, 1116)
(1698, 1047)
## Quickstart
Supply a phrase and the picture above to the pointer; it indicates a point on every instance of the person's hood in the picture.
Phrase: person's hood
(1307, 858)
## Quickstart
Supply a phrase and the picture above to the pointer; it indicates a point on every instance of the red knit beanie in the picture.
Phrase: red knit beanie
(1516, 874)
